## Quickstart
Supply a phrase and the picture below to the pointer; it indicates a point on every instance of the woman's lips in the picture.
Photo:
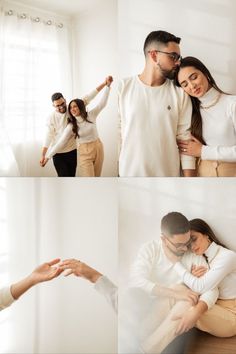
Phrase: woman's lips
(197, 91)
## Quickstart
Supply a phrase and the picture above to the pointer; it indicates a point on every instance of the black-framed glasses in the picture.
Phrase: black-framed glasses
(173, 55)
(57, 106)
(180, 245)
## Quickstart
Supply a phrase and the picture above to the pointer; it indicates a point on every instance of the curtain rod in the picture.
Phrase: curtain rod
(37, 19)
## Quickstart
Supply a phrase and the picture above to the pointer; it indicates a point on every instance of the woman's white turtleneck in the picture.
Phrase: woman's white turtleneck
(218, 126)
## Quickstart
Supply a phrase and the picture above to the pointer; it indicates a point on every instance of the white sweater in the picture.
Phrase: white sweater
(152, 119)
(87, 131)
(219, 127)
(109, 290)
(56, 125)
(6, 298)
(152, 267)
(222, 273)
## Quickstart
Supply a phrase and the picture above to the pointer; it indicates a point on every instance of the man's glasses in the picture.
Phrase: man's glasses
(173, 55)
(57, 106)
(180, 245)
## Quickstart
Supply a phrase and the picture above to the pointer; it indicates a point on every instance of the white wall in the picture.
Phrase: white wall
(70, 218)
(95, 57)
(143, 202)
(207, 29)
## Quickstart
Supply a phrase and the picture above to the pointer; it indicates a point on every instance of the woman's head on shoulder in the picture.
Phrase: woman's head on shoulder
(202, 236)
(194, 77)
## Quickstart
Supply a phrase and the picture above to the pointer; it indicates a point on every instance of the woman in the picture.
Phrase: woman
(82, 125)
(220, 320)
(44, 272)
(213, 125)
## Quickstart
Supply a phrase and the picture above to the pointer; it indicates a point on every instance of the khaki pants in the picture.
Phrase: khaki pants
(216, 169)
(91, 158)
(220, 320)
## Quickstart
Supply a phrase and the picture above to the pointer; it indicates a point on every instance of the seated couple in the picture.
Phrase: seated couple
(185, 279)
(66, 126)
(53, 269)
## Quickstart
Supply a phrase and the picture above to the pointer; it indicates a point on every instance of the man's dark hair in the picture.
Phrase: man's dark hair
(174, 223)
(56, 96)
(159, 37)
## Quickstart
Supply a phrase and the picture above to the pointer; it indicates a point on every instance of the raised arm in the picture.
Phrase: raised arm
(89, 97)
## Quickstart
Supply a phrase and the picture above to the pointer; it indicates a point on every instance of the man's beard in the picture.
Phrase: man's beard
(167, 74)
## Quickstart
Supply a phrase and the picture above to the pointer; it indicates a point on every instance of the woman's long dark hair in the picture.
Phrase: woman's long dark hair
(83, 113)
(201, 226)
(196, 122)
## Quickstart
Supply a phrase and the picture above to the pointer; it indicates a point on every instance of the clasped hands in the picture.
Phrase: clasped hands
(191, 147)
(52, 269)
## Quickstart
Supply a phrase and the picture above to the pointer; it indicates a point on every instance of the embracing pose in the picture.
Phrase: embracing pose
(81, 124)
(213, 125)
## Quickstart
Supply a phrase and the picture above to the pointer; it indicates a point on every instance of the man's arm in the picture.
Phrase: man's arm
(183, 133)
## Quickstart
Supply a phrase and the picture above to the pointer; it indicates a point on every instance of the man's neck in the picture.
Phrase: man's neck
(151, 77)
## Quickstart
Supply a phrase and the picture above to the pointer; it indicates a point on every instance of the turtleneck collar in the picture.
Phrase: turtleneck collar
(212, 251)
(209, 97)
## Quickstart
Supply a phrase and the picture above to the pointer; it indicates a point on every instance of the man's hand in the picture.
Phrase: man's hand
(45, 272)
(190, 318)
(74, 266)
(109, 80)
(44, 162)
(198, 271)
(185, 294)
(187, 321)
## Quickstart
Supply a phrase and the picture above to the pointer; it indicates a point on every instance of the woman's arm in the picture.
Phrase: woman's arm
(103, 101)
(61, 143)
(89, 97)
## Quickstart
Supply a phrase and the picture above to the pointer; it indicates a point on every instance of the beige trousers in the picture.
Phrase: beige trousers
(216, 169)
(91, 156)
(220, 320)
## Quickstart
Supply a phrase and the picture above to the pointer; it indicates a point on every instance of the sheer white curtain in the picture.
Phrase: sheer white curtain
(45, 219)
(34, 63)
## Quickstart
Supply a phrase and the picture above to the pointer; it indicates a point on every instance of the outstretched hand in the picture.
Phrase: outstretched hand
(74, 266)
(46, 271)
(192, 147)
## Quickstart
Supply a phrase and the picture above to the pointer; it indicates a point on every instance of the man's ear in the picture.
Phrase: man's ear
(153, 55)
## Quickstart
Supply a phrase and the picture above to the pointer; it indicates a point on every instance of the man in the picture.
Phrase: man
(101, 283)
(163, 296)
(44, 272)
(154, 113)
(65, 162)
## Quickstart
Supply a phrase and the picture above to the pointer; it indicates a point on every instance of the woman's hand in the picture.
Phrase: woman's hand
(198, 271)
(192, 147)
(74, 266)
(109, 80)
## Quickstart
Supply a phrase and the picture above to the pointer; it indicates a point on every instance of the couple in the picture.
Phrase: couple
(186, 279)
(156, 117)
(53, 269)
(65, 125)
